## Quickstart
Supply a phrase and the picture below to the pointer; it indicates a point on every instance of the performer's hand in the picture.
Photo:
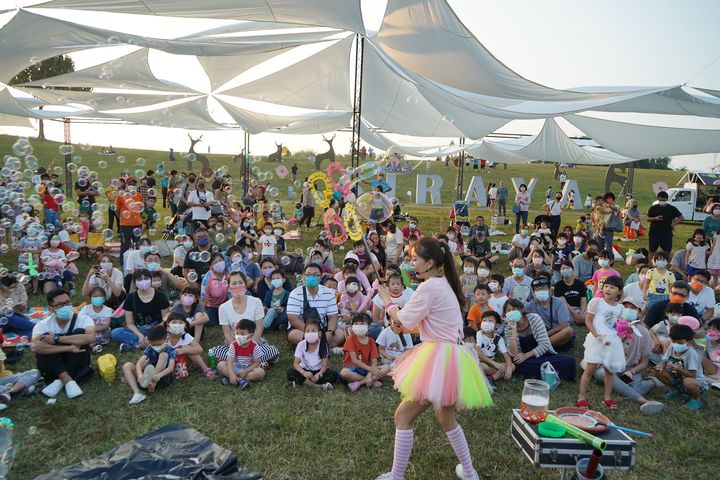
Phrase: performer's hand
(384, 293)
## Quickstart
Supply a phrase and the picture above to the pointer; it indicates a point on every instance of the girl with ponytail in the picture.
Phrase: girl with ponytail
(439, 372)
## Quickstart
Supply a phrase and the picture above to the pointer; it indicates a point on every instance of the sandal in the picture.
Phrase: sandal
(209, 373)
(583, 404)
(611, 404)
(328, 386)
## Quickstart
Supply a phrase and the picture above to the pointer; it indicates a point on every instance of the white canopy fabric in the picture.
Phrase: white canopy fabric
(324, 124)
(673, 101)
(101, 101)
(342, 14)
(14, 121)
(320, 81)
(11, 106)
(191, 113)
(647, 141)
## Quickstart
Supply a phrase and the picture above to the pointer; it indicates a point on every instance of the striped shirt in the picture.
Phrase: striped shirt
(244, 355)
(325, 302)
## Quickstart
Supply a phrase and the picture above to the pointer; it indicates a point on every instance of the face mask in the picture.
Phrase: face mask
(518, 271)
(277, 231)
(238, 290)
(276, 282)
(716, 212)
(591, 254)
(107, 266)
(360, 330)
(413, 225)
(246, 224)
(566, 272)
(153, 266)
(219, 267)
(188, 244)
(662, 203)
(157, 283)
(483, 272)
(236, 258)
(64, 313)
(219, 228)
(696, 287)
(144, 249)
(561, 242)
(187, 300)
(713, 334)
(311, 281)
(577, 239)
(159, 348)
(673, 318)
(537, 261)
(54, 243)
(312, 337)
(317, 261)
(542, 295)
(267, 271)
(353, 288)
(493, 286)
(242, 339)
(143, 284)
(679, 348)
(487, 326)
(203, 242)
(469, 270)
(629, 314)
(641, 277)
(604, 262)
(524, 232)
(675, 298)
(97, 301)
(176, 328)
(661, 263)
(513, 316)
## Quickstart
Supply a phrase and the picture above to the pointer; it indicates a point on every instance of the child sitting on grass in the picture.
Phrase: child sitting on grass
(243, 358)
(710, 356)
(482, 295)
(605, 260)
(360, 365)
(100, 314)
(15, 384)
(489, 344)
(186, 347)
(392, 343)
(680, 368)
(310, 366)
(660, 332)
(155, 367)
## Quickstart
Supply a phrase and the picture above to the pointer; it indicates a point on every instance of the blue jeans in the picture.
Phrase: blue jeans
(523, 215)
(125, 335)
(51, 216)
(213, 317)
(19, 324)
(274, 320)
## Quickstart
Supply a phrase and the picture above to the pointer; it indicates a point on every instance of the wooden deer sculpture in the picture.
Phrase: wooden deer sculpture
(206, 171)
(329, 155)
(277, 156)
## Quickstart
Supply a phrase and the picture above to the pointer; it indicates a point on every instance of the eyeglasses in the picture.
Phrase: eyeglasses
(679, 294)
(62, 304)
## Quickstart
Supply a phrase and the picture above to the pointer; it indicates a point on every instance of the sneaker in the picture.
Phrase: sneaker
(225, 381)
(377, 384)
(461, 474)
(354, 386)
(72, 389)
(147, 376)
(694, 405)
(715, 385)
(243, 383)
(672, 394)
(327, 387)
(386, 476)
(137, 398)
(53, 389)
(337, 351)
(650, 408)
(5, 398)
(126, 347)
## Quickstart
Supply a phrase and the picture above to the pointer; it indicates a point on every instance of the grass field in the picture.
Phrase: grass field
(299, 434)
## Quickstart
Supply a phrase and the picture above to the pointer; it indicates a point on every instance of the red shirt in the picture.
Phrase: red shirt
(365, 352)
(50, 202)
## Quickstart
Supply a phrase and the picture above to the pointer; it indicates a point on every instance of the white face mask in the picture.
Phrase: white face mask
(176, 328)
(242, 339)
(487, 327)
(360, 330)
(493, 286)
(483, 272)
(469, 270)
(159, 348)
(353, 287)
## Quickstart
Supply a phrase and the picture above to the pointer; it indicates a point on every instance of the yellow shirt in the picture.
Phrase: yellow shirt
(659, 283)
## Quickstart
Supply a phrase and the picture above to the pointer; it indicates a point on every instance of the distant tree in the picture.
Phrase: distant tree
(661, 163)
(50, 67)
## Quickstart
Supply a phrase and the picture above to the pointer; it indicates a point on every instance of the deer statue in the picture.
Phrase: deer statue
(329, 155)
(206, 171)
(277, 156)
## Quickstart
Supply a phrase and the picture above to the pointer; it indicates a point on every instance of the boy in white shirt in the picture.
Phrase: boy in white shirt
(268, 242)
(489, 344)
(391, 344)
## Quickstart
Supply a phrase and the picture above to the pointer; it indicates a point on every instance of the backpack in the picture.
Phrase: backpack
(308, 311)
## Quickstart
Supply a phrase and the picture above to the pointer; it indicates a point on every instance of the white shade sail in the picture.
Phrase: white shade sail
(192, 113)
(101, 101)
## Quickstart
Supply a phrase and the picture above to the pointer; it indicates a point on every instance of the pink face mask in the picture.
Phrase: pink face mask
(537, 261)
(187, 300)
(238, 290)
(143, 284)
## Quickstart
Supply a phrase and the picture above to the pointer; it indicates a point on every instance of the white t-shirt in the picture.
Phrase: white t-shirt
(267, 244)
(497, 303)
(200, 213)
(633, 290)
(399, 301)
(105, 312)
(49, 325)
(488, 345)
(308, 360)
(555, 207)
(392, 343)
(253, 311)
(116, 277)
(134, 261)
(703, 300)
(186, 339)
(519, 240)
(394, 244)
(605, 316)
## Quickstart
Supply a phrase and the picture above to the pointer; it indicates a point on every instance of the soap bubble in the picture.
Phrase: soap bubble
(374, 206)
(102, 164)
(140, 162)
(66, 149)
(273, 191)
(85, 147)
(192, 276)
(204, 256)
(394, 201)
(194, 256)
(219, 238)
(285, 260)
(465, 230)
(32, 430)
(120, 159)
(108, 234)
(191, 157)
(137, 231)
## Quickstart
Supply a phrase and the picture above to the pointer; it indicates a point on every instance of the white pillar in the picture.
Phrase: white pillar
(572, 186)
(422, 189)
(517, 181)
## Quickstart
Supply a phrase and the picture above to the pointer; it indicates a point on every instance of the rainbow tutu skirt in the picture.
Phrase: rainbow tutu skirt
(443, 374)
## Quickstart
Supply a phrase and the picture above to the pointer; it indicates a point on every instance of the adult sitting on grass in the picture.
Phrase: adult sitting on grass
(554, 314)
(312, 300)
(14, 295)
(61, 344)
(144, 309)
(104, 275)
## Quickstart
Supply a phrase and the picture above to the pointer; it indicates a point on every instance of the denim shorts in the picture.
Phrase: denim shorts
(358, 370)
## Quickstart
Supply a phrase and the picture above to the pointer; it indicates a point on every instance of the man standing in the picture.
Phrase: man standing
(293, 171)
(662, 218)
(308, 205)
(502, 194)
(128, 206)
(563, 179)
(555, 209)
(61, 344)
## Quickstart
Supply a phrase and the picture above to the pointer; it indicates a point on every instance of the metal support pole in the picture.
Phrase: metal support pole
(460, 172)
(245, 164)
(357, 103)
(68, 158)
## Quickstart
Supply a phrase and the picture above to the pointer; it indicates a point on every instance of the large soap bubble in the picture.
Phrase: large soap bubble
(374, 206)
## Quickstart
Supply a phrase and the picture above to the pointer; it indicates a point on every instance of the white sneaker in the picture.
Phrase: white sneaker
(53, 389)
(147, 376)
(386, 476)
(461, 474)
(137, 398)
(72, 389)
(650, 408)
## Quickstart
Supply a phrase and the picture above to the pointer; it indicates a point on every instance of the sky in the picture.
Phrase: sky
(558, 43)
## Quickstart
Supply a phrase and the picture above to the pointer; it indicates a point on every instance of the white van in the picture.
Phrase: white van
(698, 189)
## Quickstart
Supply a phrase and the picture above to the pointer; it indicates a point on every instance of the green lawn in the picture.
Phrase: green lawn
(299, 434)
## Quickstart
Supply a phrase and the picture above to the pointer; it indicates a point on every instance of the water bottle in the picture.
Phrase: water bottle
(7, 447)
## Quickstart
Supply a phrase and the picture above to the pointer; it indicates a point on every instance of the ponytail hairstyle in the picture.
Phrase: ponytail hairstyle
(323, 349)
(429, 248)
